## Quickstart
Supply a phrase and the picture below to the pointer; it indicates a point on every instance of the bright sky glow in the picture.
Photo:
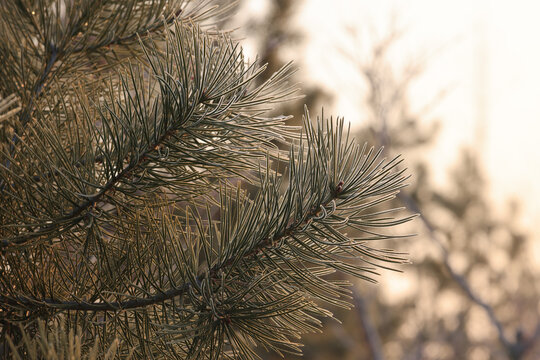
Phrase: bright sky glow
(485, 52)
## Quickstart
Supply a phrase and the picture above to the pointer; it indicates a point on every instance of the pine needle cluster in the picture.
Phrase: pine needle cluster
(150, 206)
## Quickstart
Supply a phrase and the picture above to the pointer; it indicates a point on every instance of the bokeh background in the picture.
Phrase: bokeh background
(455, 88)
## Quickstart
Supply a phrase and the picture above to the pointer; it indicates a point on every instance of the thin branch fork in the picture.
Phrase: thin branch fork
(515, 349)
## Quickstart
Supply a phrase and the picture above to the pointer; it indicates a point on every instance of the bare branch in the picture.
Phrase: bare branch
(372, 337)
(515, 349)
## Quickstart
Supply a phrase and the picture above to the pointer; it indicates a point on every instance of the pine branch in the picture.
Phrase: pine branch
(262, 246)
(267, 260)
(56, 54)
(296, 227)
(119, 214)
(182, 115)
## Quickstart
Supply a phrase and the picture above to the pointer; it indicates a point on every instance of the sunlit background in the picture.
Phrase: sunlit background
(483, 54)
(468, 79)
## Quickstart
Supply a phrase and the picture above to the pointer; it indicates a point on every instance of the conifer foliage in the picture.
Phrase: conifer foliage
(150, 206)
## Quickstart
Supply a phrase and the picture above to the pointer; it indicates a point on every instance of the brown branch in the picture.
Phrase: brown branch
(93, 306)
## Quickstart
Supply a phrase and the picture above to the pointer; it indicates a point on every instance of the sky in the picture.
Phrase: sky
(484, 54)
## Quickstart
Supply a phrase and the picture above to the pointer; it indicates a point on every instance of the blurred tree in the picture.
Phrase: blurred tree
(468, 287)
(129, 132)
(473, 283)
